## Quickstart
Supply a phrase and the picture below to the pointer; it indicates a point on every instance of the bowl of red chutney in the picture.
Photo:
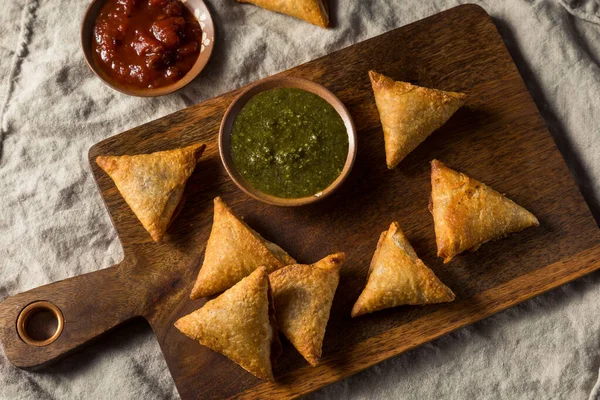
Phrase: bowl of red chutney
(147, 47)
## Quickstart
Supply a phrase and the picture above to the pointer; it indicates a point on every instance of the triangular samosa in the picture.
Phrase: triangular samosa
(397, 277)
(153, 184)
(233, 251)
(239, 324)
(467, 213)
(313, 11)
(303, 295)
(409, 114)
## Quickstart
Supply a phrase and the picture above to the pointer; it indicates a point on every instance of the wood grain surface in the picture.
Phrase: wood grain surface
(498, 137)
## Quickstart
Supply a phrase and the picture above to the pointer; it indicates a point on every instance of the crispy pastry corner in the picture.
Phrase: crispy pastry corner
(468, 213)
(409, 114)
(303, 295)
(242, 316)
(153, 184)
(397, 277)
(313, 11)
(233, 251)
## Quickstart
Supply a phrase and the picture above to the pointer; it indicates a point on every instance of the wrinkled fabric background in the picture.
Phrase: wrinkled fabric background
(53, 224)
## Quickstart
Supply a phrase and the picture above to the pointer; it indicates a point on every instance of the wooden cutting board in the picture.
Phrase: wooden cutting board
(498, 137)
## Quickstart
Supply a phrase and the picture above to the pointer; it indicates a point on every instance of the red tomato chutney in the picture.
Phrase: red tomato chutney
(146, 43)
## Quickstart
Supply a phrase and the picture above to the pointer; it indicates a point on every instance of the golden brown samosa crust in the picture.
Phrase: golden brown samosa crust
(153, 184)
(468, 213)
(409, 114)
(313, 11)
(303, 295)
(233, 251)
(398, 277)
(237, 324)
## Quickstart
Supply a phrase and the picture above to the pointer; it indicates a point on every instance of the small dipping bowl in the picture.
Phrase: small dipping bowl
(273, 83)
(198, 9)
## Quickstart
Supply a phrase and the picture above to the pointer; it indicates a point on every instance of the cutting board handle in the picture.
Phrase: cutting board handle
(88, 305)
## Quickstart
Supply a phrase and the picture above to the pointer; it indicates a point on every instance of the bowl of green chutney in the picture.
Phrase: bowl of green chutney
(287, 141)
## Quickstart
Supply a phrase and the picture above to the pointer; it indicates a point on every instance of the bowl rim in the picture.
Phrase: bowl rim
(274, 82)
(203, 56)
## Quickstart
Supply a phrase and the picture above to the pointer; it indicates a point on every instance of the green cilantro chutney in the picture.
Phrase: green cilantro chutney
(289, 143)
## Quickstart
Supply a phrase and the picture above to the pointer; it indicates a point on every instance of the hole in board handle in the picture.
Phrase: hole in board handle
(40, 323)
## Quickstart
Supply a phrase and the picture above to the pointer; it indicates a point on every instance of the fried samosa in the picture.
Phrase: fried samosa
(409, 114)
(239, 324)
(467, 213)
(313, 11)
(233, 251)
(153, 184)
(303, 295)
(398, 277)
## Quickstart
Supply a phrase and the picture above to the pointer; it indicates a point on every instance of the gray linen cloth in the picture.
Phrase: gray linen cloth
(53, 224)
